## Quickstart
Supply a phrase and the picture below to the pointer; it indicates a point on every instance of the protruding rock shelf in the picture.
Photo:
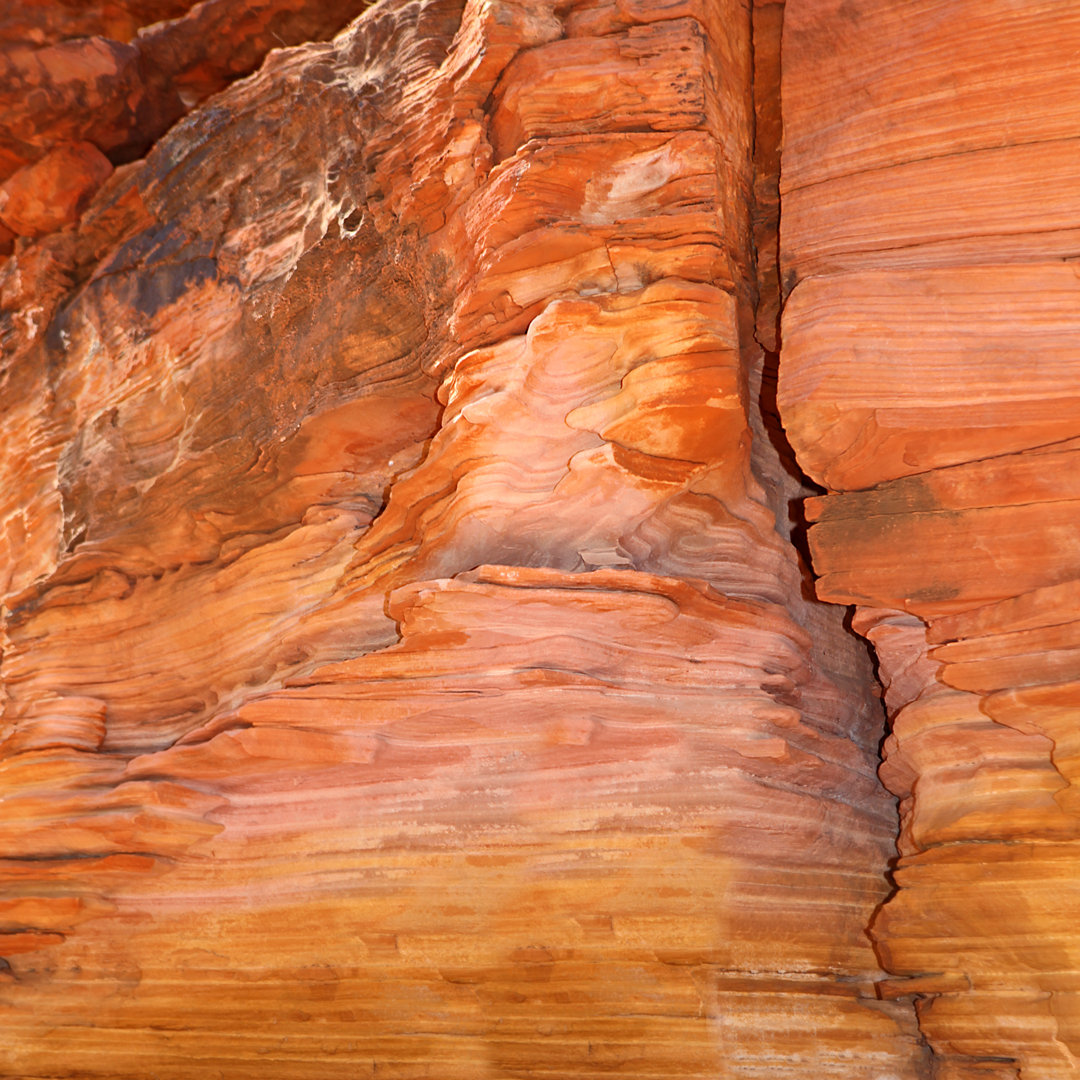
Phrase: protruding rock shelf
(407, 670)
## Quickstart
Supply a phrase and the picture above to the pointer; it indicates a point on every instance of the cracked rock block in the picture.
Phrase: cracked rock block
(406, 667)
(929, 383)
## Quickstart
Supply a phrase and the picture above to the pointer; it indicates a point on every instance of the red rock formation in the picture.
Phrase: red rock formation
(928, 380)
(407, 665)
(403, 668)
(115, 78)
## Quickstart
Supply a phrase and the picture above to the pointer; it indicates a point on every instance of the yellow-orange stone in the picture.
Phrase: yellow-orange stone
(420, 648)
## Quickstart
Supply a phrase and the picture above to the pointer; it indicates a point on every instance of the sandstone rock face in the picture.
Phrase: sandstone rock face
(407, 664)
(929, 381)
(407, 670)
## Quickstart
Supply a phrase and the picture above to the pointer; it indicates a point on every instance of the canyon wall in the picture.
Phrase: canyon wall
(412, 661)
(928, 381)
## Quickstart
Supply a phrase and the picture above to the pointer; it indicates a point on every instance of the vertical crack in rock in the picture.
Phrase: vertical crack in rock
(927, 382)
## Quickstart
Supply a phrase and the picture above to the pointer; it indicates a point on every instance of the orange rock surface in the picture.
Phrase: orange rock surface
(407, 670)
(407, 663)
(928, 380)
(53, 191)
(119, 73)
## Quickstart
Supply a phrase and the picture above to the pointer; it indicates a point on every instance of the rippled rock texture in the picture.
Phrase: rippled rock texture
(407, 671)
(929, 381)
(408, 667)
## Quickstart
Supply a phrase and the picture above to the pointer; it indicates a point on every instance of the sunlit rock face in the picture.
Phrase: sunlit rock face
(408, 667)
(929, 381)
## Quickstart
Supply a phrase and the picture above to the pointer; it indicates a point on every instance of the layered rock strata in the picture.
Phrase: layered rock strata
(929, 382)
(406, 667)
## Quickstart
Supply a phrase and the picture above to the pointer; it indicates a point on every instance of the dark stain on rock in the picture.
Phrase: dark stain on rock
(161, 287)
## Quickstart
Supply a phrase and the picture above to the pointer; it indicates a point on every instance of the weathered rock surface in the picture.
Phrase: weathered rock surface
(929, 382)
(118, 76)
(407, 664)
(406, 667)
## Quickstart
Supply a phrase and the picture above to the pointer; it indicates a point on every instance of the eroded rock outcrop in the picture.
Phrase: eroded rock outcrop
(407, 666)
(407, 670)
(113, 78)
(929, 382)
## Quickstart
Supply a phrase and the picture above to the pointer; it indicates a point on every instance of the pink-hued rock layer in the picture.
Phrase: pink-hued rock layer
(407, 668)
